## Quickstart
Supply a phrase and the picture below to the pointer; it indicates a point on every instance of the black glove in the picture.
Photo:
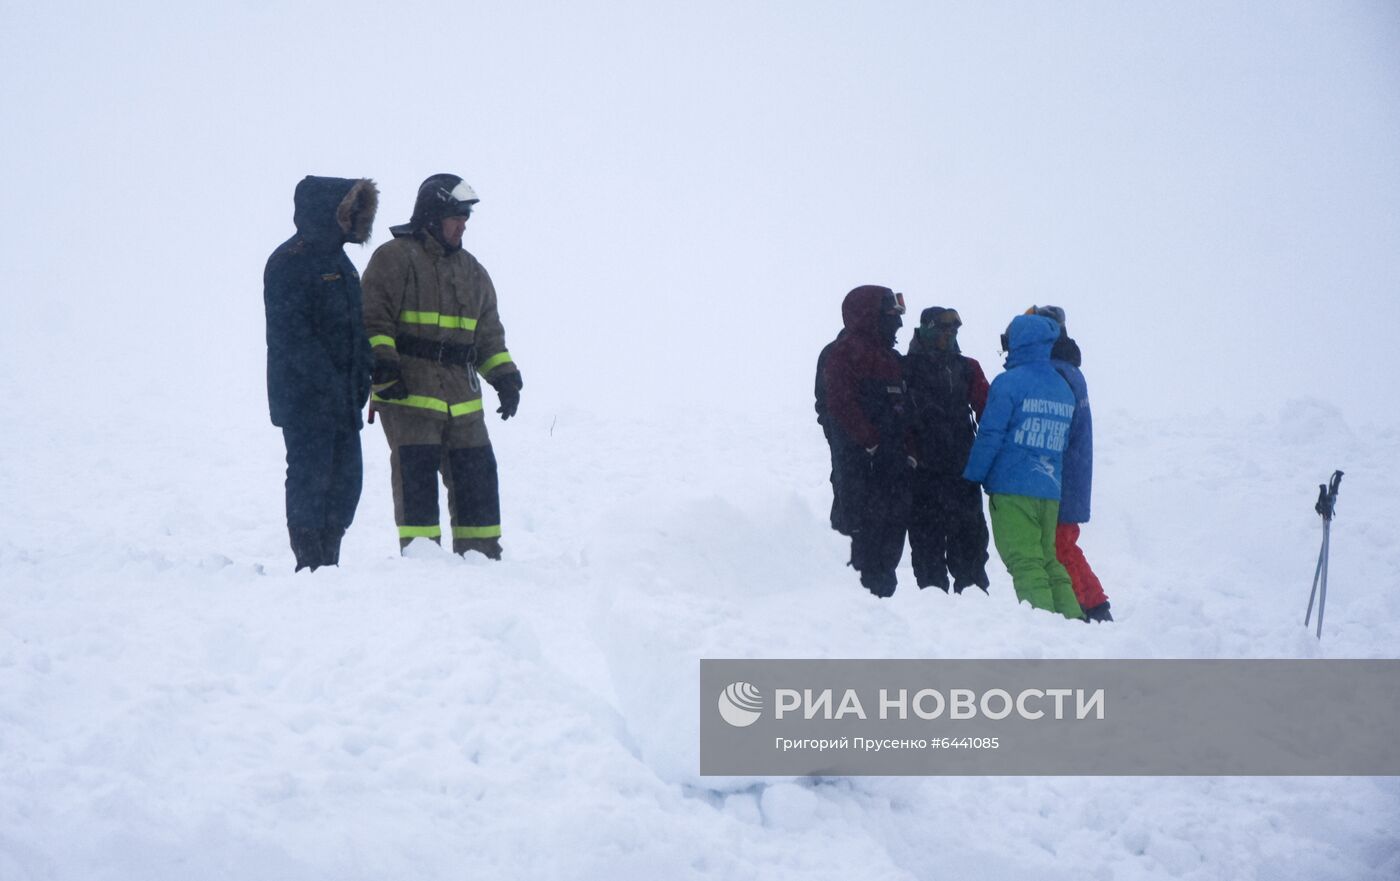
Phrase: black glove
(388, 382)
(508, 388)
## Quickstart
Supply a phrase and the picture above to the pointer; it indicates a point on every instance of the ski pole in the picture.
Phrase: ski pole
(1327, 507)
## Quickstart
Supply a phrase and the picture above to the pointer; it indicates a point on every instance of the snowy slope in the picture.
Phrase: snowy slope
(175, 703)
(675, 199)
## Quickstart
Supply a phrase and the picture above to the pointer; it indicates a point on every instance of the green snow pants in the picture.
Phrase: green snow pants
(1024, 531)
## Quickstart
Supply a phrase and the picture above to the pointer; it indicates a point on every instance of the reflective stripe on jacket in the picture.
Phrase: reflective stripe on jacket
(413, 287)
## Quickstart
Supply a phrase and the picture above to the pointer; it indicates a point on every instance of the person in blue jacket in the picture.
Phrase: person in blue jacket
(1017, 457)
(318, 361)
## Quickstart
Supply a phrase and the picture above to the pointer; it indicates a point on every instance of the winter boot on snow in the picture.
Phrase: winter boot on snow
(330, 546)
(306, 545)
(929, 573)
(980, 580)
(1098, 613)
(490, 547)
(881, 585)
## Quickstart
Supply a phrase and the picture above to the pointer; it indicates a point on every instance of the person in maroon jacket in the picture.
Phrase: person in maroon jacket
(838, 508)
(870, 441)
(947, 393)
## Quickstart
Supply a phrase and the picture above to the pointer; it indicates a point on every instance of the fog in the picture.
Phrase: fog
(675, 198)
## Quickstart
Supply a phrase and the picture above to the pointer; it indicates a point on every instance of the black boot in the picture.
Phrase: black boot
(491, 547)
(958, 588)
(306, 544)
(330, 546)
(1099, 612)
(881, 585)
(979, 579)
(926, 580)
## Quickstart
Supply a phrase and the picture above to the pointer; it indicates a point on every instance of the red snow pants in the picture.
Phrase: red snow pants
(1087, 588)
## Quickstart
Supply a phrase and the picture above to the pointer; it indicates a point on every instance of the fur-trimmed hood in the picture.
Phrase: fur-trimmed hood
(331, 211)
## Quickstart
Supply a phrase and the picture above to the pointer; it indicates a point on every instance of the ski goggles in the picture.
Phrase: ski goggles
(948, 321)
(893, 303)
(931, 334)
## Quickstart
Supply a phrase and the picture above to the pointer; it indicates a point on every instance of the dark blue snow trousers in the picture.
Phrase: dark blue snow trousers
(324, 476)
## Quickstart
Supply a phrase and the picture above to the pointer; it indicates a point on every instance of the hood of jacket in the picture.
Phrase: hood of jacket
(1030, 338)
(860, 311)
(331, 211)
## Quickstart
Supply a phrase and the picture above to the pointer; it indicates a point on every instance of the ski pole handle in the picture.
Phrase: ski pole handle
(1327, 496)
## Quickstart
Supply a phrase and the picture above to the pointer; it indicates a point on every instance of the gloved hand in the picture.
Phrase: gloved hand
(387, 381)
(508, 388)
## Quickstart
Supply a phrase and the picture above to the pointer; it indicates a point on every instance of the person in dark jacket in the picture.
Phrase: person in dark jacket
(318, 361)
(1078, 475)
(1017, 458)
(838, 511)
(947, 392)
(868, 421)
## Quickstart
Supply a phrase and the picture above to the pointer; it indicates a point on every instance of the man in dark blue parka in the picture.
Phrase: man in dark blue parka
(318, 361)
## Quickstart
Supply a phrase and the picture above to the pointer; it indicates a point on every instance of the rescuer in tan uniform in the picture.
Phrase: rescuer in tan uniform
(430, 312)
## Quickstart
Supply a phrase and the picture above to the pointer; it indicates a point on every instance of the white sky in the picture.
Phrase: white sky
(677, 196)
